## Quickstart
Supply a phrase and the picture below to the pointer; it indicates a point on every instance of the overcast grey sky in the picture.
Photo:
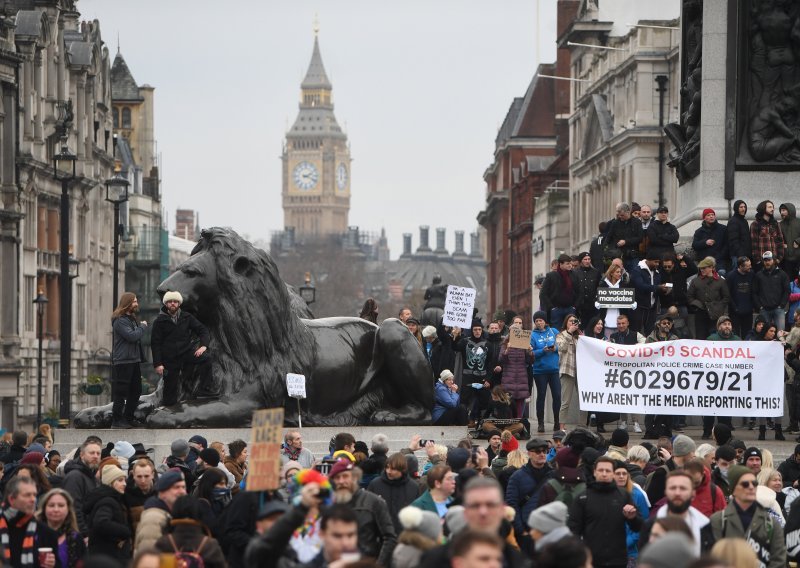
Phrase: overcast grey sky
(421, 86)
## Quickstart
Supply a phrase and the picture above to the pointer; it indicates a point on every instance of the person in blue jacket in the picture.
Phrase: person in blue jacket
(447, 408)
(545, 369)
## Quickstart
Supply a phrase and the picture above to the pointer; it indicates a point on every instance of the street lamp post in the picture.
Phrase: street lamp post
(307, 291)
(116, 193)
(64, 171)
(40, 302)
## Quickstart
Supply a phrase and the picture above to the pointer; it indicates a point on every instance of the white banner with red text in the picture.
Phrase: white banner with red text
(685, 377)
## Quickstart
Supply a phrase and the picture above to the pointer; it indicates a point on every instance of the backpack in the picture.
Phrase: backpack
(566, 493)
(650, 476)
(188, 558)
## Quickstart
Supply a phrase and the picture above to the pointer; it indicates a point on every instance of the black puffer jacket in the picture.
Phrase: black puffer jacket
(719, 250)
(663, 237)
(738, 233)
(109, 524)
(397, 493)
(79, 481)
(770, 289)
(629, 231)
(170, 340)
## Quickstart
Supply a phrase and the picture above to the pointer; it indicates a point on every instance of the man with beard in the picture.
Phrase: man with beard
(174, 355)
(376, 533)
(745, 518)
(624, 233)
(738, 233)
(679, 494)
(126, 354)
(765, 235)
(599, 517)
(80, 479)
(588, 280)
(708, 296)
(790, 229)
(676, 270)
(710, 240)
(771, 291)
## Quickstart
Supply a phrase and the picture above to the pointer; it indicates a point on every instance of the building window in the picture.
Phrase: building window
(80, 308)
(82, 237)
(115, 113)
(126, 117)
(30, 222)
(30, 309)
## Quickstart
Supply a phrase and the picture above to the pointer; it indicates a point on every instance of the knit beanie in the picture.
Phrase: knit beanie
(509, 442)
(457, 458)
(428, 331)
(565, 457)
(619, 437)
(735, 472)
(210, 456)
(172, 295)
(708, 210)
(34, 458)
(683, 445)
(722, 433)
(548, 517)
(540, 315)
(673, 550)
(425, 522)
(287, 467)
(454, 520)
(110, 474)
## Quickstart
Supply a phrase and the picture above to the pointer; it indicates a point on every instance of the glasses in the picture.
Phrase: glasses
(748, 484)
(538, 451)
(473, 506)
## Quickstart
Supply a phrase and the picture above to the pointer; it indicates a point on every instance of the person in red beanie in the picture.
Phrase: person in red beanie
(566, 482)
(710, 239)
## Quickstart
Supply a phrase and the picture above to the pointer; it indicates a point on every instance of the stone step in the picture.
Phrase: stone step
(315, 439)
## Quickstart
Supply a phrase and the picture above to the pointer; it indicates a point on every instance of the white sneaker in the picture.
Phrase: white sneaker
(637, 428)
(623, 425)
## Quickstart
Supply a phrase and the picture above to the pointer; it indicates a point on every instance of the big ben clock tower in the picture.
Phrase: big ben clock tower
(316, 160)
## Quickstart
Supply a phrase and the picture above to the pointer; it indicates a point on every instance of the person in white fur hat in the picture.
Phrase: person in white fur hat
(174, 356)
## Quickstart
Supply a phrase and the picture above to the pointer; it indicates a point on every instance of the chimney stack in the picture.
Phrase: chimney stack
(423, 239)
(440, 241)
(406, 244)
(475, 245)
(459, 244)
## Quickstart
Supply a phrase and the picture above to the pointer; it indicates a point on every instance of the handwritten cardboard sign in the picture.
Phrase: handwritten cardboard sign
(519, 338)
(296, 385)
(458, 307)
(264, 468)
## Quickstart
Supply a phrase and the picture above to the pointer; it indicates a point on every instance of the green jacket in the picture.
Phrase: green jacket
(717, 337)
(764, 534)
(426, 503)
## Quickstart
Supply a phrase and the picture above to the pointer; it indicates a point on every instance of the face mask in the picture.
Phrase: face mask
(723, 472)
(221, 494)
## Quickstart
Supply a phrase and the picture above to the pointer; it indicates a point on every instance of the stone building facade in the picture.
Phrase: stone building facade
(316, 161)
(624, 91)
(49, 56)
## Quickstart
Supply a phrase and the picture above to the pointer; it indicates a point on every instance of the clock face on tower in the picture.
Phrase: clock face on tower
(341, 176)
(305, 175)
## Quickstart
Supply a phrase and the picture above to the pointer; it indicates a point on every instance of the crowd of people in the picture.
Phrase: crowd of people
(575, 500)
(735, 282)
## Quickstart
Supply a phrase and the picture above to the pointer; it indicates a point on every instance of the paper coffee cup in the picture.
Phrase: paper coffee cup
(43, 552)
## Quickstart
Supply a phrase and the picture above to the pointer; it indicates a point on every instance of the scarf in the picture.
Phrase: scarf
(26, 557)
(291, 452)
(71, 540)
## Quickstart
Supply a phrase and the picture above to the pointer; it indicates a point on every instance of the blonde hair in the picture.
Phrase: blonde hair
(766, 474)
(767, 459)
(517, 458)
(737, 552)
(441, 450)
(499, 394)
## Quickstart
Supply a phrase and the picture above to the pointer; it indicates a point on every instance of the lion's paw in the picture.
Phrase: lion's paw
(384, 417)
(93, 417)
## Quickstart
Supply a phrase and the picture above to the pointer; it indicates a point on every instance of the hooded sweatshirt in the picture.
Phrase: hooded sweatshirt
(738, 233)
(790, 228)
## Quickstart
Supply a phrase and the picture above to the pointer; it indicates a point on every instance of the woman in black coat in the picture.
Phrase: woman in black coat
(109, 522)
(395, 486)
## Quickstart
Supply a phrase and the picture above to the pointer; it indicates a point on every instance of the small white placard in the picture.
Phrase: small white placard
(296, 385)
(458, 307)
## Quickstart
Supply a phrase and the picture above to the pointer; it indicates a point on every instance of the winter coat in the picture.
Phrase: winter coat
(178, 463)
(515, 364)
(109, 524)
(770, 289)
(721, 482)
(568, 477)
(127, 342)
(44, 537)
(188, 535)
(134, 501)
(441, 355)
(411, 545)
(152, 524)
(238, 526)
(636, 474)
(704, 500)
(237, 470)
(272, 548)
(476, 362)
(596, 252)
(426, 503)
(13, 454)
(765, 236)
(372, 468)
(439, 557)
(444, 398)
(304, 457)
(629, 231)
(678, 277)
(567, 345)
(763, 530)
(738, 233)
(719, 250)
(79, 481)
(523, 493)
(643, 508)
(588, 279)
(710, 295)
(376, 534)
(554, 294)
(790, 471)
(544, 361)
(646, 284)
(596, 516)
(740, 287)
(398, 493)
(663, 237)
(790, 229)
(794, 300)
(170, 340)
(697, 523)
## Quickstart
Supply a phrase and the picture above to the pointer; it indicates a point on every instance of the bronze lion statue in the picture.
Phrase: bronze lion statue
(356, 372)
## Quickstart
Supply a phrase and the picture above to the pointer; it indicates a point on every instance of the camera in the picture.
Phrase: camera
(324, 467)
(423, 443)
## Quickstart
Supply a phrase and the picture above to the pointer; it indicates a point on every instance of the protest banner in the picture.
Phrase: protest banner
(519, 338)
(264, 468)
(621, 298)
(296, 385)
(458, 307)
(699, 378)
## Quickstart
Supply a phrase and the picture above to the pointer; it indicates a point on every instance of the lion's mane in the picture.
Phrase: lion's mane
(256, 336)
